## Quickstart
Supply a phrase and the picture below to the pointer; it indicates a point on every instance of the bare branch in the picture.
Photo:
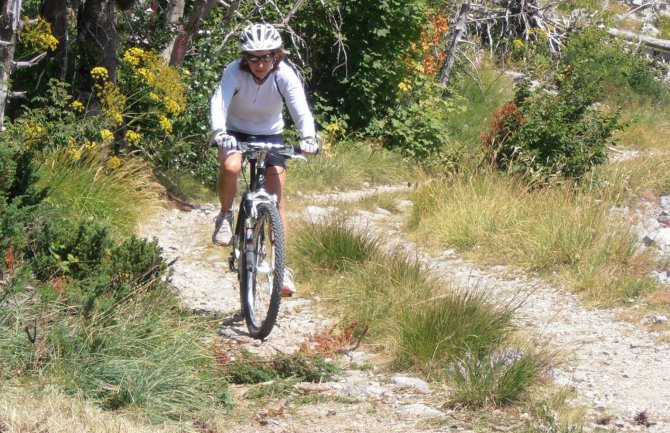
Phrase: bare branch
(661, 44)
(30, 63)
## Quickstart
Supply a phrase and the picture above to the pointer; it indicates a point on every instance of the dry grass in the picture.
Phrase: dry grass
(116, 196)
(553, 231)
(47, 410)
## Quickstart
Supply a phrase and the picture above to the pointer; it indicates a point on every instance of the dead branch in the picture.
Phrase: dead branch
(512, 19)
(30, 63)
(459, 29)
(346, 350)
(659, 44)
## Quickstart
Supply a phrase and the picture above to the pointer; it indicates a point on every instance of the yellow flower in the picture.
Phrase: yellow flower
(335, 129)
(33, 129)
(74, 154)
(147, 76)
(518, 43)
(154, 97)
(107, 136)
(404, 87)
(134, 56)
(38, 35)
(165, 124)
(91, 145)
(113, 162)
(132, 137)
(77, 106)
(172, 106)
(99, 73)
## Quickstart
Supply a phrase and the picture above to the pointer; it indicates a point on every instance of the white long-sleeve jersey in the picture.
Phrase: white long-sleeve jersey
(239, 104)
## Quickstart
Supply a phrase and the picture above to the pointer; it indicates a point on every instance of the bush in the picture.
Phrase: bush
(550, 134)
(612, 69)
(96, 272)
(377, 37)
(19, 196)
(416, 127)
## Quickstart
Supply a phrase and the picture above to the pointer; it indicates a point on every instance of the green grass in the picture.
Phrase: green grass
(348, 165)
(437, 331)
(332, 247)
(118, 198)
(647, 125)
(482, 92)
(251, 369)
(141, 356)
(417, 320)
(184, 186)
(552, 231)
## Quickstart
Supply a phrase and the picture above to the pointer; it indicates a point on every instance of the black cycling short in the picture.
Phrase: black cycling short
(273, 159)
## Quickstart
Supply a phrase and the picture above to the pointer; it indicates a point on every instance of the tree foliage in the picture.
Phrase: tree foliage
(359, 56)
(548, 134)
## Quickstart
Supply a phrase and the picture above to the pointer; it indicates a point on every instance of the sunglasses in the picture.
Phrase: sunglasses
(254, 59)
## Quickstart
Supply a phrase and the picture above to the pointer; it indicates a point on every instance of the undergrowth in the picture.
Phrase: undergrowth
(554, 231)
(415, 319)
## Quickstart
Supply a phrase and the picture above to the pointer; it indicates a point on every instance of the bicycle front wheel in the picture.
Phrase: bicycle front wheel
(262, 271)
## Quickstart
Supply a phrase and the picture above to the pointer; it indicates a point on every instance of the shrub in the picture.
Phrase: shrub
(378, 38)
(550, 134)
(416, 127)
(96, 271)
(611, 69)
(19, 195)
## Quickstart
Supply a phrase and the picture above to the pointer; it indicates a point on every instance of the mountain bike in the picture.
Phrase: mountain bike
(258, 241)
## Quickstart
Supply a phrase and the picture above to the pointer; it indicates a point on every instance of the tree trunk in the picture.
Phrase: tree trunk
(200, 11)
(9, 24)
(175, 11)
(55, 13)
(451, 48)
(97, 38)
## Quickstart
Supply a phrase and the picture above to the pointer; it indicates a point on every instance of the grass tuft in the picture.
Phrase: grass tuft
(348, 165)
(116, 197)
(438, 331)
(552, 231)
(332, 247)
(414, 318)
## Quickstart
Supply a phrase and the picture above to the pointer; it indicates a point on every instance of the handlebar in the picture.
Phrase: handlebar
(286, 150)
(249, 148)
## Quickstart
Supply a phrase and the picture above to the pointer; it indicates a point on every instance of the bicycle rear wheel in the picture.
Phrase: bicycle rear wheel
(262, 272)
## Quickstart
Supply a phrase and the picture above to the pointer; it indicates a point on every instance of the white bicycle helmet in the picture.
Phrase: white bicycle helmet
(259, 37)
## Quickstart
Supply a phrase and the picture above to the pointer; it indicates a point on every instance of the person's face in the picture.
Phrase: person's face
(260, 62)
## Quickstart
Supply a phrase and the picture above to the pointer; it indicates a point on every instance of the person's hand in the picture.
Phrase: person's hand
(309, 145)
(225, 141)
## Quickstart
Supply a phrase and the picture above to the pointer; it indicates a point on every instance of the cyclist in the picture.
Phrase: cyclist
(247, 106)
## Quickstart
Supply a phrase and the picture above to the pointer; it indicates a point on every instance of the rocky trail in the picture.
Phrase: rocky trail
(619, 370)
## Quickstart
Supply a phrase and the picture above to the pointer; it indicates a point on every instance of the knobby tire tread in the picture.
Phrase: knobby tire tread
(270, 215)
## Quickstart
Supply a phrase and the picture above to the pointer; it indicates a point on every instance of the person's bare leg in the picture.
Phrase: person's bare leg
(226, 185)
(275, 181)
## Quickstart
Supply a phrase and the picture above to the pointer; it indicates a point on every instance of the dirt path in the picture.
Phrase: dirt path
(617, 369)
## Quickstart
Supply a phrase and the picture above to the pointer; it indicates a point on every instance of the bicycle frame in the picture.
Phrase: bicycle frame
(254, 155)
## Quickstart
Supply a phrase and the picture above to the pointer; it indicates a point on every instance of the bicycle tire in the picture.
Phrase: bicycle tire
(261, 280)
